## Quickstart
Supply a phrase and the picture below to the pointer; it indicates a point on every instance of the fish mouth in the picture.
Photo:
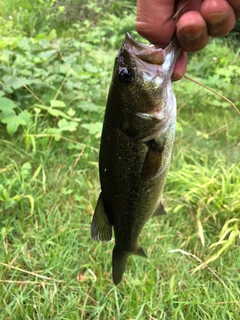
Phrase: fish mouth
(146, 55)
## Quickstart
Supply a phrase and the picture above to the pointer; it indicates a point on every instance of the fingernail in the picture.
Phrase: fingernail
(214, 19)
(191, 33)
(176, 76)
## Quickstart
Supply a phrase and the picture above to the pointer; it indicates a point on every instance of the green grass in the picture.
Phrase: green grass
(49, 266)
(51, 269)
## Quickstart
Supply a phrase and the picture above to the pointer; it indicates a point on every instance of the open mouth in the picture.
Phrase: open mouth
(149, 52)
(152, 61)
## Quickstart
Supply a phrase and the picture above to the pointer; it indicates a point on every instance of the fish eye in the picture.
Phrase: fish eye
(125, 75)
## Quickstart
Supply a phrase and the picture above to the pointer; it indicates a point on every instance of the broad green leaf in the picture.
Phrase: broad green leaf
(6, 41)
(88, 106)
(71, 112)
(6, 108)
(6, 104)
(55, 132)
(14, 82)
(65, 125)
(66, 191)
(26, 116)
(13, 123)
(57, 113)
(25, 44)
(77, 146)
(221, 103)
(52, 34)
(47, 54)
(93, 128)
(57, 104)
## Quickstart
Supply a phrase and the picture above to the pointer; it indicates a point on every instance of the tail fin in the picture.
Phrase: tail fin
(119, 259)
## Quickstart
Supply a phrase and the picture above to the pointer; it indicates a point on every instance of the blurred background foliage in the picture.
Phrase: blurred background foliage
(33, 17)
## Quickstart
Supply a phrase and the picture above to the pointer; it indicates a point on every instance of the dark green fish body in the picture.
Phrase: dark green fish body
(136, 147)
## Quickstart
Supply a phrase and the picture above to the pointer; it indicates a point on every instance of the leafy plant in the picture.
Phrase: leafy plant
(9, 116)
(15, 186)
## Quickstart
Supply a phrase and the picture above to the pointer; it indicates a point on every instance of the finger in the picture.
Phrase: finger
(154, 20)
(236, 7)
(219, 16)
(192, 31)
(189, 5)
(180, 67)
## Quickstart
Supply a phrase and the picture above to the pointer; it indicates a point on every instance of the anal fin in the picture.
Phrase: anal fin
(139, 252)
(160, 211)
(101, 228)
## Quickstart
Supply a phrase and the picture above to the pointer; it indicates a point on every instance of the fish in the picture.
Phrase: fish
(136, 147)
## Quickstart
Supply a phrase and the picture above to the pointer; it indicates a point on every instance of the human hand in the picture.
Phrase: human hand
(198, 20)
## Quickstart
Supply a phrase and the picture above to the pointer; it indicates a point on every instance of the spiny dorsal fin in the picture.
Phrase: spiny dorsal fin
(101, 228)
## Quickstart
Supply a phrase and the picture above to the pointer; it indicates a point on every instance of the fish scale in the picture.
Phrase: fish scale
(136, 147)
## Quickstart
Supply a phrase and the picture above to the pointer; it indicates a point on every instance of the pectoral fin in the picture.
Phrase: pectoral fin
(101, 228)
(141, 126)
(160, 211)
(153, 160)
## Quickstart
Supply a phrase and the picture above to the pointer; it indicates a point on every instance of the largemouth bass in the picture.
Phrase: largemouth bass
(136, 147)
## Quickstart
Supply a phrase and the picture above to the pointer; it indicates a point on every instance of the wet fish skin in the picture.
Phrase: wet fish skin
(136, 147)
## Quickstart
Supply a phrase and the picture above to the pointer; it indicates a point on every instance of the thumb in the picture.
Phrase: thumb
(155, 20)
